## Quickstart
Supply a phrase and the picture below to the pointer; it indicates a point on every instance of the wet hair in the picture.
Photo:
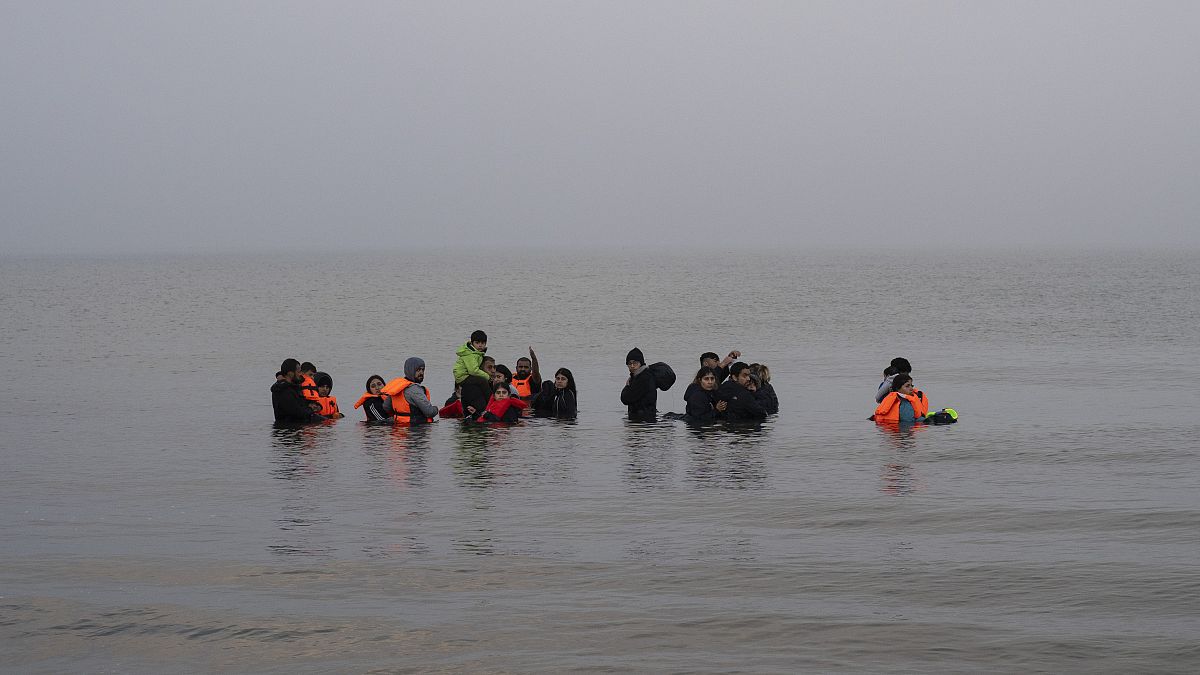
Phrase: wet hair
(889, 371)
(704, 370)
(901, 365)
(503, 370)
(570, 378)
(900, 380)
(709, 355)
(737, 368)
(524, 358)
(479, 336)
(323, 380)
(289, 366)
(372, 379)
(762, 371)
(497, 386)
(307, 367)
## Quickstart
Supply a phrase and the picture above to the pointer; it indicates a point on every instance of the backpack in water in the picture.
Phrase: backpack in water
(943, 416)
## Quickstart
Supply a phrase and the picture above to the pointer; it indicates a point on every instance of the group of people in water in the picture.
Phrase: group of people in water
(723, 389)
(484, 391)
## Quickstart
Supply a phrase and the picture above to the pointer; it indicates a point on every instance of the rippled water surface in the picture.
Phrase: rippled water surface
(154, 520)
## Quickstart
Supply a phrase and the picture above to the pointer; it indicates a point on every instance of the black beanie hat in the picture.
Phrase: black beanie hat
(635, 354)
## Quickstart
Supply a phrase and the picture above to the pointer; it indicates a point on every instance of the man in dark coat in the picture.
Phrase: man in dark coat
(641, 391)
(743, 404)
(289, 404)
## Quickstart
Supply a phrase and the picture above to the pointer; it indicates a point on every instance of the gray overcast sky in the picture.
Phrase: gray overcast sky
(168, 126)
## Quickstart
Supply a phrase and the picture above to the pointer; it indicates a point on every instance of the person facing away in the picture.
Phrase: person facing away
(898, 366)
(410, 398)
(453, 406)
(308, 385)
(720, 367)
(765, 392)
(503, 406)
(557, 398)
(528, 378)
(375, 404)
(904, 404)
(743, 404)
(287, 402)
(470, 375)
(641, 391)
(701, 397)
(328, 403)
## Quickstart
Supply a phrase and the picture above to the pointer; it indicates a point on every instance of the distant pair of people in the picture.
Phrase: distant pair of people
(901, 403)
(404, 400)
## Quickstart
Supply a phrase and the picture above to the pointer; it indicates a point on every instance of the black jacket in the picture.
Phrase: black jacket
(289, 404)
(766, 396)
(641, 395)
(551, 400)
(701, 405)
(744, 406)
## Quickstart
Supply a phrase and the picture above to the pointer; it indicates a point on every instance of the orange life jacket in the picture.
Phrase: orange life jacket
(308, 388)
(363, 399)
(329, 406)
(524, 388)
(889, 409)
(395, 389)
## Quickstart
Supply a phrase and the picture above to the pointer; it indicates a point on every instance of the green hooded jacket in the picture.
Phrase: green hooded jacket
(468, 364)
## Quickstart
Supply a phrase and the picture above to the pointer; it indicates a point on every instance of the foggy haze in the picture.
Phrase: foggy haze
(235, 126)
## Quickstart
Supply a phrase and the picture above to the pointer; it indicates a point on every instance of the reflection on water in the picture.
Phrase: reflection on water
(650, 457)
(728, 456)
(399, 454)
(898, 477)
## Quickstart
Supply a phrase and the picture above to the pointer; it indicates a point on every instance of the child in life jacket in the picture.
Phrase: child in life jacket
(904, 404)
(453, 407)
(503, 407)
(329, 406)
(308, 386)
(375, 404)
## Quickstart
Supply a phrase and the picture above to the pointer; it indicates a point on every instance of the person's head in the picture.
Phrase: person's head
(763, 372)
(634, 359)
(901, 365)
(755, 381)
(499, 391)
(503, 370)
(524, 367)
(903, 383)
(279, 376)
(710, 360)
(290, 370)
(307, 368)
(414, 369)
(706, 377)
(563, 379)
(489, 365)
(324, 383)
(374, 384)
(479, 340)
(740, 373)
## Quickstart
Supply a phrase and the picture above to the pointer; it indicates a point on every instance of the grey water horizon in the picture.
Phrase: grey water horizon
(156, 520)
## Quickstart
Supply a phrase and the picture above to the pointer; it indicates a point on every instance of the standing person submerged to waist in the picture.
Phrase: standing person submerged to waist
(641, 391)
(410, 399)
(905, 404)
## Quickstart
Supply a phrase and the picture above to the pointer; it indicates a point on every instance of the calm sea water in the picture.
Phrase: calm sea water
(154, 520)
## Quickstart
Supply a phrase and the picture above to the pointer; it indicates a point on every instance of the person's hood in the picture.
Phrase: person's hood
(410, 368)
(641, 370)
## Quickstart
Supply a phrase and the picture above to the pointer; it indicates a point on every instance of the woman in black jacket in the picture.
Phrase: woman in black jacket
(558, 398)
(701, 397)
